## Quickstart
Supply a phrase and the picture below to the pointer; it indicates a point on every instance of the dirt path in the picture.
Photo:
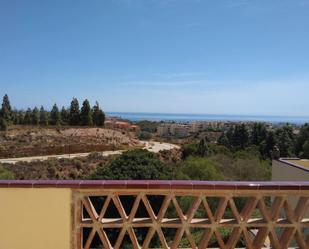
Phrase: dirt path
(150, 146)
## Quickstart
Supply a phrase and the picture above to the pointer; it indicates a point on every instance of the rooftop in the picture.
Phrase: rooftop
(296, 162)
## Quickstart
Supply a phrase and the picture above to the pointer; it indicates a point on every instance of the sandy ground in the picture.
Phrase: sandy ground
(157, 146)
(150, 146)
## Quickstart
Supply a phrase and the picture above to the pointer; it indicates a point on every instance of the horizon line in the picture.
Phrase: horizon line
(211, 114)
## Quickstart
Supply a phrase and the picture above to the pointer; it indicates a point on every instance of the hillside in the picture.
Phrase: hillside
(21, 141)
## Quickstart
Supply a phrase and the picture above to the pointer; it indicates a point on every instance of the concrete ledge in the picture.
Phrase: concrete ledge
(153, 184)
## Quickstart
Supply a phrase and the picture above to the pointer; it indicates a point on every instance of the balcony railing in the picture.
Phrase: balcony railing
(184, 214)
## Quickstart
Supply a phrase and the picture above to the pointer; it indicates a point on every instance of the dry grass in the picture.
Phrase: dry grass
(20, 141)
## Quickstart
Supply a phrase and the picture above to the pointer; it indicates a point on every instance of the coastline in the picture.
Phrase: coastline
(188, 118)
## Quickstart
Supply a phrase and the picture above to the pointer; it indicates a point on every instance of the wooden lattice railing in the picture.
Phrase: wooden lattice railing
(186, 214)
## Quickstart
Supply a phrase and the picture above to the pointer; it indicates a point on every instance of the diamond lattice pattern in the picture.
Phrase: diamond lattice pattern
(172, 220)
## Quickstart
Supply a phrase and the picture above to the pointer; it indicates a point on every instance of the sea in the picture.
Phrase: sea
(187, 118)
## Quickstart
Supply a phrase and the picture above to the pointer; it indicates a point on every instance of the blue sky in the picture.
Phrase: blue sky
(179, 56)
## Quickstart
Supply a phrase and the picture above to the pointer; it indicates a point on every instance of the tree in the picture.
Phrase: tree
(55, 118)
(270, 144)
(43, 116)
(14, 116)
(302, 137)
(3, 124)
(18, 117)
(202, 148)
(240, 137)
(223, 140)
(249, 152)
(134, 165)
(258, 134)
(144, 135)
(74, 112)
(306, 150)
(219, 149)
(201, 168)
(189, 149)
(148, 126)
(250, 169)
(35, 117)
(6, 110)
(237, 138)
(86, 114)
(65, 116)
(285, 140)
(28, 117)
(100, 120)
(98, 116)
(275, 153)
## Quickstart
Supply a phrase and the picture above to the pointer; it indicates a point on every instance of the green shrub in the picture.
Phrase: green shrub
(144, 135)
(201, 168)
(5, 174)
(134, 164)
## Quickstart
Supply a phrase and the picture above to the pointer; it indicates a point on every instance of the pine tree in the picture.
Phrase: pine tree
(55, 117)
(202, 148)
(101, 118)
(64, 116)
(285, 141)
(240, 137)
(28, 117)
(3, 124)
(14, 116)
(270, 143)
(35, 116)
(98, 116)
(43, 116)
(74, 112)
(95, 113)
(6, 110)
(258, 134)
(19, 117)
(86, 114)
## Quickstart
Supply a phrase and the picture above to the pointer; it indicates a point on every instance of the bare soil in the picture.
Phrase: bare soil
(21, 141)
